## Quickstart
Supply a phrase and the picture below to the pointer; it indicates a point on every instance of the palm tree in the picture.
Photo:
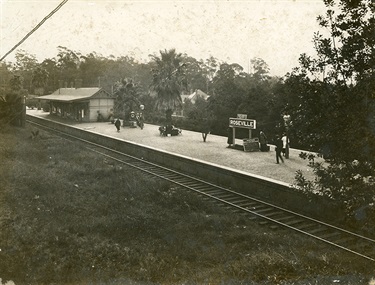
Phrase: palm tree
(168, 81)
(127, 97)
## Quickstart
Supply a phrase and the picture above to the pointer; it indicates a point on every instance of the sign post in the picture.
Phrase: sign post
(241, 122)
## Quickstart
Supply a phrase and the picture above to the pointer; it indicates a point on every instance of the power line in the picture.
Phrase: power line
(35, 28)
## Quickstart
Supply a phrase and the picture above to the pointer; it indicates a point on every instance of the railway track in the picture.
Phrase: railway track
(276, 216)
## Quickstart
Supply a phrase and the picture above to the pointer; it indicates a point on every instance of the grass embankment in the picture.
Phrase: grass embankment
(68, 216)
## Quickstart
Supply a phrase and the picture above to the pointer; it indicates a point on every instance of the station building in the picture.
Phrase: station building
(80, 104)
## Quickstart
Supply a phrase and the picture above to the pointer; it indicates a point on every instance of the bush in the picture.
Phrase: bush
(351, 185)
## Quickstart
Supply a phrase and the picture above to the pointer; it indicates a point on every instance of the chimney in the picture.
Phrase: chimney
(78, 83)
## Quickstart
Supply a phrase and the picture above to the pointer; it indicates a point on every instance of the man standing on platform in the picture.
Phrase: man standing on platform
(263, 141)
(286, 142)
(279, 148)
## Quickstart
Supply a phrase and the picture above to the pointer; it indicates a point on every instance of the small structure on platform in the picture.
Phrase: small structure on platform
(81, 104)
(242, 122)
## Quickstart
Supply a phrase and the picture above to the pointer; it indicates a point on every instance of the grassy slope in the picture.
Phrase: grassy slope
(68, 216)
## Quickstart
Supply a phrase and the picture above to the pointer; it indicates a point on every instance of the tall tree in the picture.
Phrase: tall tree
(50, 66)
(210, 66)
(346, 54)
(39, 80)
(5, 76)
(91, 69)
(345, 102)
(168, 81)
(227, 95)
(195, 74)
(68, 63)
(260, 68)
(24, 66)
(346, 60)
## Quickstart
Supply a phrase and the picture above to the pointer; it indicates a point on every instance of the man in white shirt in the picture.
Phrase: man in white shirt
(285, 143)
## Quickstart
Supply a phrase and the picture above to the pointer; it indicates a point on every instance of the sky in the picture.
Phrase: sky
(277, 31)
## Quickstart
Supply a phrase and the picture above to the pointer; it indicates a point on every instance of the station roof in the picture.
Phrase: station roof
(76, 94)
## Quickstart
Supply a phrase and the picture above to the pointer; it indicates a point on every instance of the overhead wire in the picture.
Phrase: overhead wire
(35, 28)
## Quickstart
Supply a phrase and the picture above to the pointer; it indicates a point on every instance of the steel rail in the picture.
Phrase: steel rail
(162, 173)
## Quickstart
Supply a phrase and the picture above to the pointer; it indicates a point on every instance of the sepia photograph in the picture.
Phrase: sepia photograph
(171, 142)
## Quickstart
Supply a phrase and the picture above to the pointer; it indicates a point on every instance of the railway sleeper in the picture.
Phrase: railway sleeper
(157, 173)
(203, 188)
(284, 219)
(170, 175)
(235, 200)
(139, 164)
(318, 230)
(225, 196)
(248, 204)
(306, 226)
(329, 236)
(184, 180)
(153, 168)
(193, 183)
(273, 214)
(265, 210)
(294, 222)
(214, 191)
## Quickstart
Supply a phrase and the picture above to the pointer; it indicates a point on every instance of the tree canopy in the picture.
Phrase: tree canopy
(331, 100)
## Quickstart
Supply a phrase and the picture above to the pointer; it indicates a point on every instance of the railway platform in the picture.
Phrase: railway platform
(190, 144)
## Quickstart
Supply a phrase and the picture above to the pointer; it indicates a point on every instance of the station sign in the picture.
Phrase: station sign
(242, 123)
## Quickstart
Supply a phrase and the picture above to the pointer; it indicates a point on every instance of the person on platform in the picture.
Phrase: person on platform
(279, 148)
(230, 137)
(286, 142)
(263, 141)
(118, 125)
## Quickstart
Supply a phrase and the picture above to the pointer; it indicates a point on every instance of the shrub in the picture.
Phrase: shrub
(351, 185)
